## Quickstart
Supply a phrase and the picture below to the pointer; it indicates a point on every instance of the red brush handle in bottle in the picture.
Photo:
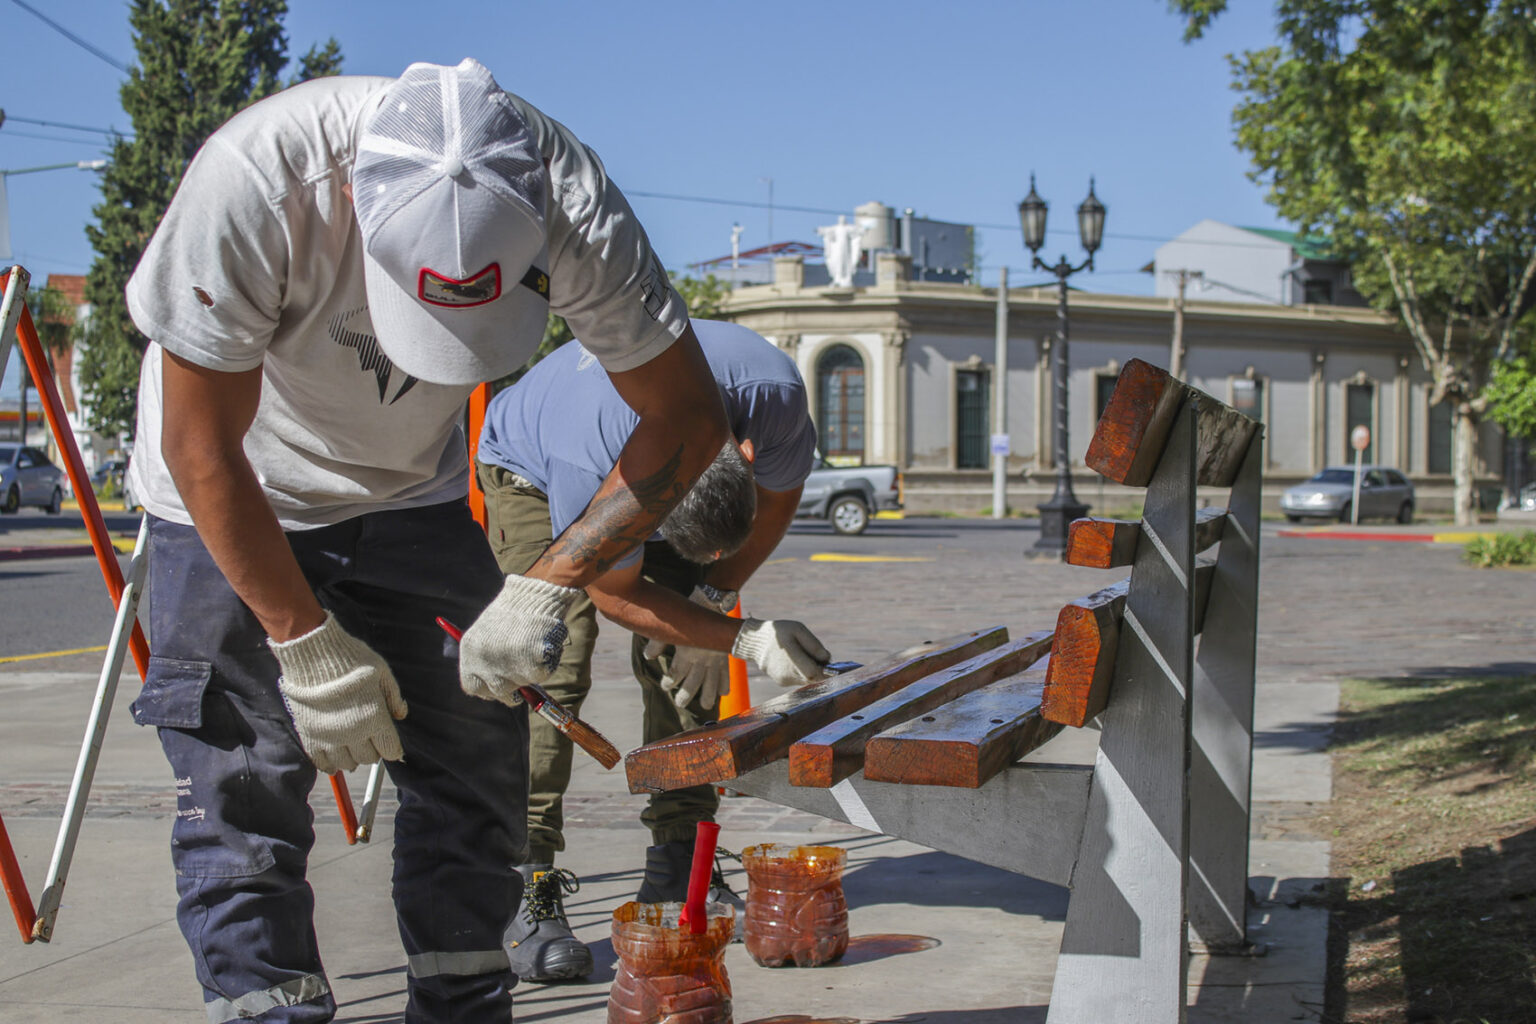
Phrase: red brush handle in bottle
(694, 916)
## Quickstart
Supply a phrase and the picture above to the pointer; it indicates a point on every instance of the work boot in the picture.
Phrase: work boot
(666, 872)
(667, 868)
(540, 946)
(720, 891)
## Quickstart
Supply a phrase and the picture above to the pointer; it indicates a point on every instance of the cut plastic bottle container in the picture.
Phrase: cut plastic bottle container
(667, 974)
(796, 912)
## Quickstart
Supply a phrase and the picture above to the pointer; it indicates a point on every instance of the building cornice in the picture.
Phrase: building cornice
(967, 309)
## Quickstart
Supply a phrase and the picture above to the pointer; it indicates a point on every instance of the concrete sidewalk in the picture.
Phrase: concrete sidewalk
(935, 938)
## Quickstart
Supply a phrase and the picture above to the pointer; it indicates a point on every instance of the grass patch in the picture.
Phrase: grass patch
(1501, 550)
(1434, 833)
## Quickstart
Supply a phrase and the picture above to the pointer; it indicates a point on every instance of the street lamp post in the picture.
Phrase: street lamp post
(1063, 507)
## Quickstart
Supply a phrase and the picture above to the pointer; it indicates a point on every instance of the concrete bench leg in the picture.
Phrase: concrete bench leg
(1123, 951)
(1221, 771)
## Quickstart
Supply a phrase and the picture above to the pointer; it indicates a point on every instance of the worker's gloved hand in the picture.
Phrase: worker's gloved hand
(517, 640)
(342, 697)
(784, 649)
(697, 671)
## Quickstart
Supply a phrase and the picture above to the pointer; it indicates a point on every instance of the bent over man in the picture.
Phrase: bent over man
(547, 444)
(342, 264)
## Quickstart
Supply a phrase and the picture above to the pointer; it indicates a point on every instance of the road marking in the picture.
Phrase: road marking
(776, 561)
(52, 654)
(890, 515)
(1325, 533)
(829, 557)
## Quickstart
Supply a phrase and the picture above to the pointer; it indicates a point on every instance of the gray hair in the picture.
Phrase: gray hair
(715, 516)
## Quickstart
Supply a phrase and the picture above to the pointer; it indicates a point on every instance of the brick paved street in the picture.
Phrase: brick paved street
(1327, 609)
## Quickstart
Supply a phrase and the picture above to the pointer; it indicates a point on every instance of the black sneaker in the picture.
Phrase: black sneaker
(540, 946)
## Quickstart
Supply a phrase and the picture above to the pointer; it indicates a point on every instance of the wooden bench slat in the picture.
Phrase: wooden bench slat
(1130, 435)
(967, 741)
(725, 749)
(1082, 665)
(836, 751)
(1111, 543)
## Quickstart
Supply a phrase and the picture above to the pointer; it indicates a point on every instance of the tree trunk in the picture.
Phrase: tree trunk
(1463, 446)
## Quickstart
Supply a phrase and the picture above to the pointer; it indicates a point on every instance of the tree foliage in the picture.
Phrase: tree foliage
(1512, 395)
(198, 63)
(54, 316)
(1406, 132)
(705, 295)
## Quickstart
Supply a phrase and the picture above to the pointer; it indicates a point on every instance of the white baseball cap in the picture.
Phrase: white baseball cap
(449, 188)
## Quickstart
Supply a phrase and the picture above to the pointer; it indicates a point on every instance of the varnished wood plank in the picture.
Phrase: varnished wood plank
(1111, 543)
(1082, 666)
(967, 741)
(1131, 433)
(725, 749)
(836, 751)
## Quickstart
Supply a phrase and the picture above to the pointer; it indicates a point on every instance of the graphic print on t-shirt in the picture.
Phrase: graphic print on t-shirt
(353, 329)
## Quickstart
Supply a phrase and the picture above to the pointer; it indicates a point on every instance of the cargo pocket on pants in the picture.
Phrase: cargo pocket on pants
(213, 755)
(173, 693)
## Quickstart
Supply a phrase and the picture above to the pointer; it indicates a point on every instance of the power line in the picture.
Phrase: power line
(733, 202)
(67, 34)
(56, 124)
(12, 134)
(753, 204)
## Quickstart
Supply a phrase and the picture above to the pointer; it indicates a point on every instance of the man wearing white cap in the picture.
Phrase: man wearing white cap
(342, 264)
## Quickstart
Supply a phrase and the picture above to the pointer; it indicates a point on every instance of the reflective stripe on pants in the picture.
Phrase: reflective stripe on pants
(253, 1004)
(431, 965)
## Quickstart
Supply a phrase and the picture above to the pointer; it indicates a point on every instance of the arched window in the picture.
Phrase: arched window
(840, 402)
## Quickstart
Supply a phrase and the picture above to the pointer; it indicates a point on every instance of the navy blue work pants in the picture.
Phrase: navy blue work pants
(244, 829)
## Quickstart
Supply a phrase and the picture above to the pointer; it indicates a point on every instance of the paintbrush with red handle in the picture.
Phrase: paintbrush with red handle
(579, 732)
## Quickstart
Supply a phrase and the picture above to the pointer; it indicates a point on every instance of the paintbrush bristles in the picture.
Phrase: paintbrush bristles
(593, 742)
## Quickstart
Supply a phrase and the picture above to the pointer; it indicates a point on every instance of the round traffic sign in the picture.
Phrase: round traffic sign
(1360, 438)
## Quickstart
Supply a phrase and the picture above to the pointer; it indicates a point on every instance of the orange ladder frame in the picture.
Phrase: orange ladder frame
(15, 317)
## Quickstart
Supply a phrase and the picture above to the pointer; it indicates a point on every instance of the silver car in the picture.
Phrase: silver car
(28, 478)
(1384, 493)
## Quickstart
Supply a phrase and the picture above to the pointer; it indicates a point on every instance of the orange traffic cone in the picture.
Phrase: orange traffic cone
(738, 698)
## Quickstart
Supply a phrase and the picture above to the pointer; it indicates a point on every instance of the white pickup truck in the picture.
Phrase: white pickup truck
(849, 496)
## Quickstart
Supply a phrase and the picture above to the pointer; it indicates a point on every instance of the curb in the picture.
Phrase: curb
(57, 551)
(1449, 537)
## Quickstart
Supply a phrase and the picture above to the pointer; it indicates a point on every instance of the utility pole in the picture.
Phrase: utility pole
(1176, 355)
(999, 440)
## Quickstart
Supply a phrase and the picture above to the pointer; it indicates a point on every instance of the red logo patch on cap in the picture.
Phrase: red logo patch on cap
(475, 290)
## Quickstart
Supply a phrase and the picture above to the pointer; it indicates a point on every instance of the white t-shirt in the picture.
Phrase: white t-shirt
(258, 262)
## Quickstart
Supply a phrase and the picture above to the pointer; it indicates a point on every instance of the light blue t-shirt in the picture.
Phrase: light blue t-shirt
(563, 425)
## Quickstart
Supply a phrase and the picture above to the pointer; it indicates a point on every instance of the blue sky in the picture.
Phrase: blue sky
(945, 108)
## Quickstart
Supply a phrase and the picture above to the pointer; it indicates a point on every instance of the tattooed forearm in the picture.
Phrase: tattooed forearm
(617, 521)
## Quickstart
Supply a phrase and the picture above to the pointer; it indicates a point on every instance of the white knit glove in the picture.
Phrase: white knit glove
(517, 640)
(697, 670)
(788, 652)
(342, 698)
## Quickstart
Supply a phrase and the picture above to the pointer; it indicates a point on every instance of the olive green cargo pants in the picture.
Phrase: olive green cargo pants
(517, 517)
